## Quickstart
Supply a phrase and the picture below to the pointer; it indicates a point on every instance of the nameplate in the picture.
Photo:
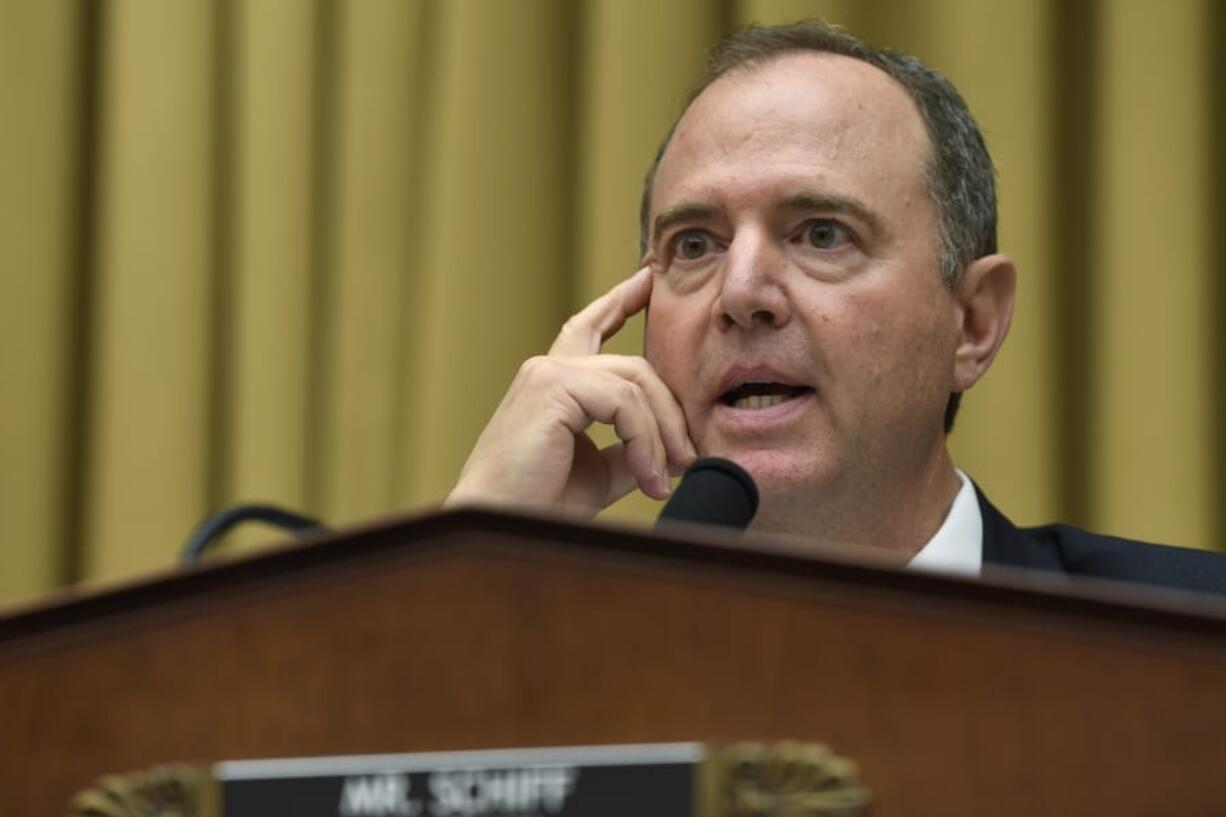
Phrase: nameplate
(600, 781)
(642, 780)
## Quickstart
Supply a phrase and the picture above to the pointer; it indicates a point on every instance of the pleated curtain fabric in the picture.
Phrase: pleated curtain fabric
(294, 250)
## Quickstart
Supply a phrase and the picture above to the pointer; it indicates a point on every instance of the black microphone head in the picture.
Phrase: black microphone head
(713, 491)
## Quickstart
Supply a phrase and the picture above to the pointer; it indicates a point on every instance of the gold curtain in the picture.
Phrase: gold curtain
(294, 250)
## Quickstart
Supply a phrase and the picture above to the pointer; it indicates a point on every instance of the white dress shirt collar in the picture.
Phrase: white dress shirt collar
(957, 546)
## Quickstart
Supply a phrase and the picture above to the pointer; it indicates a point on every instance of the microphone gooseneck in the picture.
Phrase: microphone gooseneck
(713, 491)
(210, 530)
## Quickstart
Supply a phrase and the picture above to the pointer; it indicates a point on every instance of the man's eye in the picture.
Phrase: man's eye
(826, 234)
(692, 245)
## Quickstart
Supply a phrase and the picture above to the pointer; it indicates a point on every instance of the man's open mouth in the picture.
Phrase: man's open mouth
(761, 395)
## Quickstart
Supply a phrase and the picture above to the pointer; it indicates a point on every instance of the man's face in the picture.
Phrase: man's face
(798, 312)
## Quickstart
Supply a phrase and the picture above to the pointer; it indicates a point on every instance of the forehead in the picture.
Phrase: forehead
(806, 119)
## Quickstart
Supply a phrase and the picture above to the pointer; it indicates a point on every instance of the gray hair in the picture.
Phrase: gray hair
(958, 171)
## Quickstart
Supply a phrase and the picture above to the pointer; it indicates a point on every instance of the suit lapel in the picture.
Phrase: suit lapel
(1004, 544)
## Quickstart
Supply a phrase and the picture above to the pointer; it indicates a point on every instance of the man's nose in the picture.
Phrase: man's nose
(751, 290)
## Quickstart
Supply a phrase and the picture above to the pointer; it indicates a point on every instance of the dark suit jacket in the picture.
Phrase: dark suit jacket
(1076, 552)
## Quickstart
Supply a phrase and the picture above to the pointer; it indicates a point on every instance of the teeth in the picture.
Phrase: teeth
(758, 401)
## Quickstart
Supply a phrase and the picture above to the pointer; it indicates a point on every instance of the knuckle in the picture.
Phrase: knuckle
(641, 366)
(538, 370)
(630, 368)
(630, 391)
(644, 372)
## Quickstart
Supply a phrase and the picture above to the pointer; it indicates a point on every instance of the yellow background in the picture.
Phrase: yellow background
(294, 251)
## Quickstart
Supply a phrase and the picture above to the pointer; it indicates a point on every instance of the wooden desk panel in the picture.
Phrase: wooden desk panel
(477, 630)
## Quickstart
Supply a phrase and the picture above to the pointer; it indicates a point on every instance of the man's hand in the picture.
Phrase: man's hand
(535, 451)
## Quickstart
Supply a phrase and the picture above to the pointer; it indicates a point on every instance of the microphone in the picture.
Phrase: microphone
(713, 491)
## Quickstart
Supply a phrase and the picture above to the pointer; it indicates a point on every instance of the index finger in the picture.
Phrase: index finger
(588, 329)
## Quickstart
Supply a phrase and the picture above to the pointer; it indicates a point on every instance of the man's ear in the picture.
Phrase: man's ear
(984, 296)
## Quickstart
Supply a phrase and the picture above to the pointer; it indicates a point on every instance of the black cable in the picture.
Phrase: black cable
(208, 531)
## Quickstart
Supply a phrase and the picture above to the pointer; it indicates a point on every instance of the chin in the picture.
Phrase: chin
(779, 473)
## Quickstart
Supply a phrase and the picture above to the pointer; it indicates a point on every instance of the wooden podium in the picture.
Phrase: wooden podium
(473, 629)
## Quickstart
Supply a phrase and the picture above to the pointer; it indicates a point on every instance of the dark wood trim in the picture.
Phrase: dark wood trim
(426, 533)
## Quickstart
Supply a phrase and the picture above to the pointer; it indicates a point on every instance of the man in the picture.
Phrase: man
(819, 258)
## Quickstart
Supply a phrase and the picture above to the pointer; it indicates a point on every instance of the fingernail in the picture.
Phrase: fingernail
(664, 483)
(689, 446)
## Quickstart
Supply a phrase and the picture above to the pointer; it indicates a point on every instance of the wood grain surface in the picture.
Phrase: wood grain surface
(479, 630)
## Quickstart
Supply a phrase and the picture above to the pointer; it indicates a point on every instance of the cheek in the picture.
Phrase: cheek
(899, 347)
(673, 333)
(927, 378)
(662, 334)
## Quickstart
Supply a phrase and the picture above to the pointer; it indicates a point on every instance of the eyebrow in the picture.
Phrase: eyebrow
(834, 203)
(681, 213)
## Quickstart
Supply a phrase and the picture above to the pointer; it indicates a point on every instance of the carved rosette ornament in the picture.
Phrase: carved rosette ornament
(787, 779)
(165, 791)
